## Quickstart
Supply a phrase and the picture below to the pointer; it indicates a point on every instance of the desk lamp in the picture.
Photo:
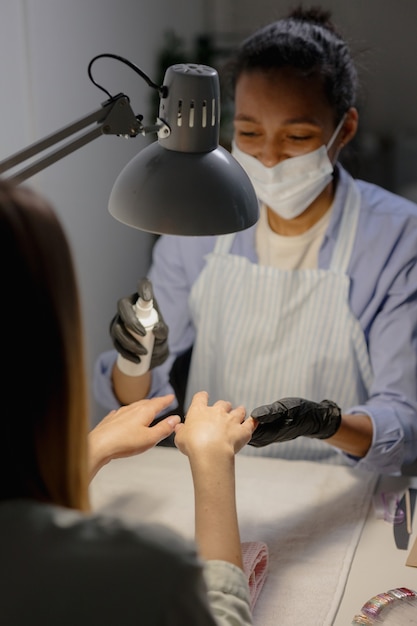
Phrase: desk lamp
(182, 184)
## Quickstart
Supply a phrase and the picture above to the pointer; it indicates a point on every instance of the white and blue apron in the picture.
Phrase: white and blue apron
(266, 333)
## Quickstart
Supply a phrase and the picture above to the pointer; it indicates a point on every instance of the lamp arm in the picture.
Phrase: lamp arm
(114, 117)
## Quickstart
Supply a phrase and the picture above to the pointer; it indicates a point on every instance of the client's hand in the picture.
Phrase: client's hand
(214, 429)
(290, 418)
(127, 431)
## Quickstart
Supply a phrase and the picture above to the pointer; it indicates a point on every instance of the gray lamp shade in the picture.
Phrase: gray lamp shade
(179, 193)
(185, 183)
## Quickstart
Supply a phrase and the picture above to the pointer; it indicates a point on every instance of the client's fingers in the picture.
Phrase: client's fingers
(251, 424)
(161, 430)
(224, 404)
(200, 397)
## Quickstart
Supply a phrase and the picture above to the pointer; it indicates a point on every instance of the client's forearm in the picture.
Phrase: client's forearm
(216, 524)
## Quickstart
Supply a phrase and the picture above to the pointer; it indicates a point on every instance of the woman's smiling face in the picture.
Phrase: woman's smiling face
(280, 114)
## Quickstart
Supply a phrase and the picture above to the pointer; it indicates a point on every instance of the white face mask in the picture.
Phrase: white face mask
(290, 186)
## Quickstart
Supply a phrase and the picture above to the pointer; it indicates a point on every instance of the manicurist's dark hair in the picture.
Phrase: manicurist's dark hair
(306, 40)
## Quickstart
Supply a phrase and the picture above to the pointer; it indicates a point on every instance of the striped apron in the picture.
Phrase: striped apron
(264, 333)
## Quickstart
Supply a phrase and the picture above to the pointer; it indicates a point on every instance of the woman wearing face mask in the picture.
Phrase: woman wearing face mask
(316, 302)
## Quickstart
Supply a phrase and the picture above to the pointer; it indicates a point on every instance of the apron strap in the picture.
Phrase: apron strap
(347, 230)
(224, 243)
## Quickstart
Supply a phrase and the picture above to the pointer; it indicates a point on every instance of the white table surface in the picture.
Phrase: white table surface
(378, 565)
(156, 486)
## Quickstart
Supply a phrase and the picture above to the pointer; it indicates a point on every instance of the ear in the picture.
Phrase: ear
(349, 128)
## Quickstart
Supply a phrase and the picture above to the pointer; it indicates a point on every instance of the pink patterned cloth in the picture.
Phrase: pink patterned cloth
(255, 565)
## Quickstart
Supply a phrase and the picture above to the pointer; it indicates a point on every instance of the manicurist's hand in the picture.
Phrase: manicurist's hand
(289, 418)
(127, 431)
(128, 389)
(125, 322)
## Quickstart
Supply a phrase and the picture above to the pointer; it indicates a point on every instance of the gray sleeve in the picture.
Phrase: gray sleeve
(228, 593)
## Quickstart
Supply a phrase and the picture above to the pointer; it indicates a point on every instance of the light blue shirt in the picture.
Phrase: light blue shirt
(383, 297)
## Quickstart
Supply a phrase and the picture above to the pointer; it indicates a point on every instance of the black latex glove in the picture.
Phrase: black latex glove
(290, 418)
(125, 319)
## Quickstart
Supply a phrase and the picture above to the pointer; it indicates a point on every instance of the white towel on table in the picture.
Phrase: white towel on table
(310, 515)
